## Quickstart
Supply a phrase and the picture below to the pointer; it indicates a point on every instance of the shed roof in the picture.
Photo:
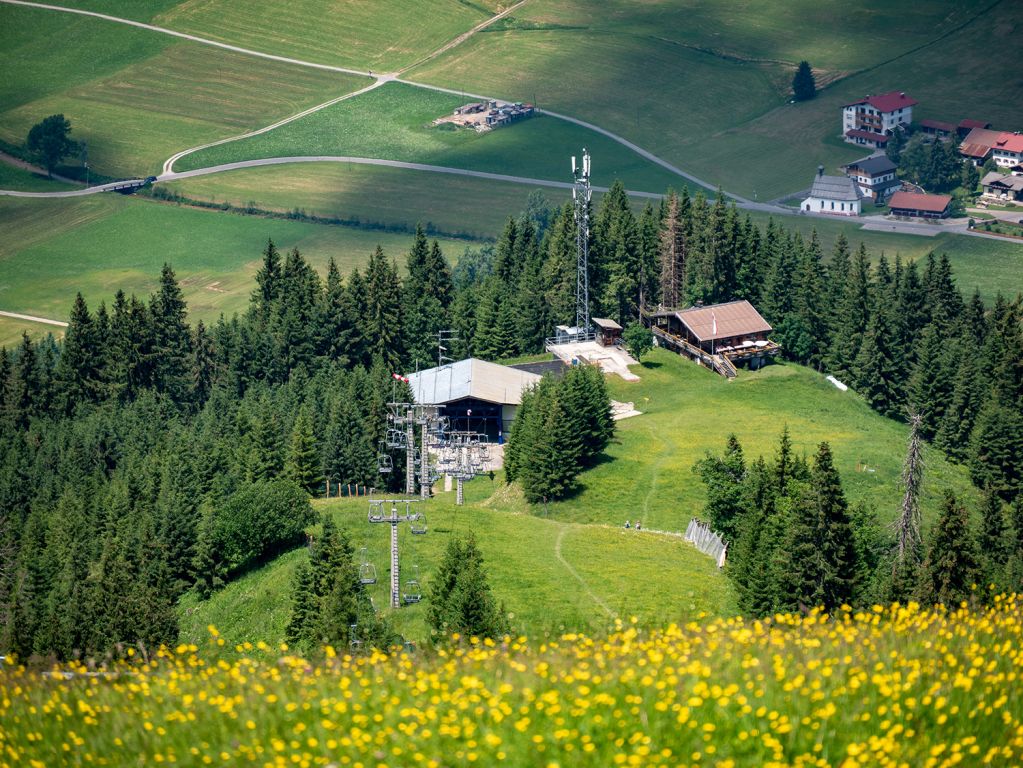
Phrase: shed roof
(938, 125)
(1004, 180)
(723, 321)
(873, 165)
(835, 188)
(886, 102)
(606, 324)
(915, 201)
(471, 378)
(978, 142)
(971, 124)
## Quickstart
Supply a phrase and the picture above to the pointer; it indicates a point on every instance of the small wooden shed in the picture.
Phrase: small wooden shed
(608, 331)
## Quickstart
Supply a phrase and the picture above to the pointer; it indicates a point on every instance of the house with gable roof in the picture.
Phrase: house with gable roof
(870, 121)
(834, 195)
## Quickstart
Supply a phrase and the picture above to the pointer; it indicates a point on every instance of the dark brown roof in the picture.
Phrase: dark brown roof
(607, 325)
(974, 150)
(938, 125)
(856, 133)
(971, 124)
(914, 201)
(735, 318)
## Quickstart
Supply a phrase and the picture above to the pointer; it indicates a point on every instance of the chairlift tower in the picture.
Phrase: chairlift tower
(463, 456)
(403, 420)
(581, 193)
(417, 524)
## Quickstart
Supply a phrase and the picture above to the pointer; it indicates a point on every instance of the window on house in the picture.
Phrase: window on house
(832, 205)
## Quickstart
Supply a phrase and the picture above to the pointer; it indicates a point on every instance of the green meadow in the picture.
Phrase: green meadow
(706, 84)
(137, 97)
(12, 177)
(103, 243)
(393, 122)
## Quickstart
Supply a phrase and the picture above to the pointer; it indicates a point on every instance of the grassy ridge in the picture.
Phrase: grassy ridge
(12, 177)
(104, 242)
(137, 97)
(898, 686)
(393, 122)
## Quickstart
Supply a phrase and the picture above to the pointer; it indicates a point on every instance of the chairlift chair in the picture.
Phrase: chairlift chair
(376, 511)
(353, 636)
(367, 571)
(384, 464)
(412, 593)
(418, 524)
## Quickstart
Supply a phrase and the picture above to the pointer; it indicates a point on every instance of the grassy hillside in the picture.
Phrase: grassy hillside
(713, 97)
(689, 410)
(551, 575)
(393, 196)
(394, 122)
(604, 570)
(137, 97)
(101, 243)
(12, 177)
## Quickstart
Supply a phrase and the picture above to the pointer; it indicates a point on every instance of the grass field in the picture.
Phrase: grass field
(610, 573)
(12, 177)
(11, 330)
(99, 244)
(136, 97)
(718, 105)
(394, 196)
(393, 122)
(688, 410)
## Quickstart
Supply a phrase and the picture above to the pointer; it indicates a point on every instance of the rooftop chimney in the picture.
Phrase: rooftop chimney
(902, 94)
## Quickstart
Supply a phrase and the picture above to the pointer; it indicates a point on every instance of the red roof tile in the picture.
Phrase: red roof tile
(915, 201)
(971, 124)
(1010, 142)
(887, 102)
(723, 321)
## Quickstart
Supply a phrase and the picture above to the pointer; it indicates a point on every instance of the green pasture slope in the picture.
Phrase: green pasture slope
(394, 122)
(101, 243)
(12, 177)
(603, 572)
(687, 410)
(371, 194)
(137, 97)
(706, 85)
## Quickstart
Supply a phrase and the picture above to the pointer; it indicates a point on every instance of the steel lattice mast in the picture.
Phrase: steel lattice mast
(581, 199)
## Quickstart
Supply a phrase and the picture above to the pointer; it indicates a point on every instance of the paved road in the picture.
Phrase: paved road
(174, 176)
(17, 162)
(33, 318)
(71, 192)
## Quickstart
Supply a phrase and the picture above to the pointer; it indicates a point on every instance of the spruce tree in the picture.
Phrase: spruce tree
(672, 255)
(382, 321)
(461, 600)
(995, 541)
(76, 374)
(303, 461)
(172, 339)
(725, 479)
(877, 368)
(952, 562)
(804, 87)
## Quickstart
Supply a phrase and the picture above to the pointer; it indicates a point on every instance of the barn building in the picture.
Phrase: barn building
(720, 336)
(920, 206)
(476, 395)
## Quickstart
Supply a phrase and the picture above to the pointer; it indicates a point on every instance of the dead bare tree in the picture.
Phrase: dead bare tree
(672, 253)
(909, 543)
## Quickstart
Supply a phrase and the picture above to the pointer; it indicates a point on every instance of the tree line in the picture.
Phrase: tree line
(134, 440)
(795, 543)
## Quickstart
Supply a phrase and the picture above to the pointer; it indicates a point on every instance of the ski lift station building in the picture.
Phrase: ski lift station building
(475, 395)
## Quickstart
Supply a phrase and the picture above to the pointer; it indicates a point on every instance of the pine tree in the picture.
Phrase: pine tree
(876, 367)
(854, 317)
(76, 374)
(804, 87)
(649, 258)
(172, 339)
(995, 541)
(268, 284)
(725, 480)
(1014, 569)
(461, 600)
(559, 270)
(819, 554)
(996, 445)
(304, 609)
(381, 319)
(952, 562)
(303, 461)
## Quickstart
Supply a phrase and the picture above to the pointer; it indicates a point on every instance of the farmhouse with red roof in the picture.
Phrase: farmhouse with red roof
(921, 206)
(1005, 148)
(870, 121)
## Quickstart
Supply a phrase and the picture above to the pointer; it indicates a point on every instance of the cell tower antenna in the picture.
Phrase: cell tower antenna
(581, 193)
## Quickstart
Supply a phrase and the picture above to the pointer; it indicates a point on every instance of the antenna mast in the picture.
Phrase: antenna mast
(581, 199)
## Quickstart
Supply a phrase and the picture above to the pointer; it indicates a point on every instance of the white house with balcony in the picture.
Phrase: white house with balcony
(870, 121)
(833, 195)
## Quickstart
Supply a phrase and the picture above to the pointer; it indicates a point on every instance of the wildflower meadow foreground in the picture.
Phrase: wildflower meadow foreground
(898, 686)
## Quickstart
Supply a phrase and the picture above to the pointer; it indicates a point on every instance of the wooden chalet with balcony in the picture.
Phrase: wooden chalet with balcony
(720, 336)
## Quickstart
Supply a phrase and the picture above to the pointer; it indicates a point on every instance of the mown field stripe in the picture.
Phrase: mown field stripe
(184, 36)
